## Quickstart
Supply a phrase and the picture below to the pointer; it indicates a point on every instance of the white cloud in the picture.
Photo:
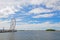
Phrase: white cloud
(44, 15)
(4, 24)
(18, 19)
(8, 7)
(6, 12)
(39, 26)
(36, 2)
(33, 21)
(39, 10)
(55, 4)
(26, 26)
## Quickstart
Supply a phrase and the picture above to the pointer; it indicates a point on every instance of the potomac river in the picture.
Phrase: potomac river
(31, 35)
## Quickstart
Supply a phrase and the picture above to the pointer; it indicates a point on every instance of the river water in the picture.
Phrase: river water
(31, 35)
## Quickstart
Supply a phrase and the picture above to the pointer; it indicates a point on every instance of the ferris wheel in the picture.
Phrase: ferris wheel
(13, 24)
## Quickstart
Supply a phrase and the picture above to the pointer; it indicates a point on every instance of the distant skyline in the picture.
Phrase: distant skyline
(30, 14)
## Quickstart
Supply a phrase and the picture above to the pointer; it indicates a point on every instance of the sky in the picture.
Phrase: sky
(30, 14)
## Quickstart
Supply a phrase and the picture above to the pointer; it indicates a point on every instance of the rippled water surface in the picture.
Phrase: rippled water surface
(31, 35)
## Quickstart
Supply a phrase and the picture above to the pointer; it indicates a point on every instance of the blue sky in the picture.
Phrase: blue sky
(30, 14)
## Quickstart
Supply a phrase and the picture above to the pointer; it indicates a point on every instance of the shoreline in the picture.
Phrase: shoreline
(4, 31)
(35, 30)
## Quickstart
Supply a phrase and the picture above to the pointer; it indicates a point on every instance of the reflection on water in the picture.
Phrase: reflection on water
(7, 36)
(11, 36)
(30, 35)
